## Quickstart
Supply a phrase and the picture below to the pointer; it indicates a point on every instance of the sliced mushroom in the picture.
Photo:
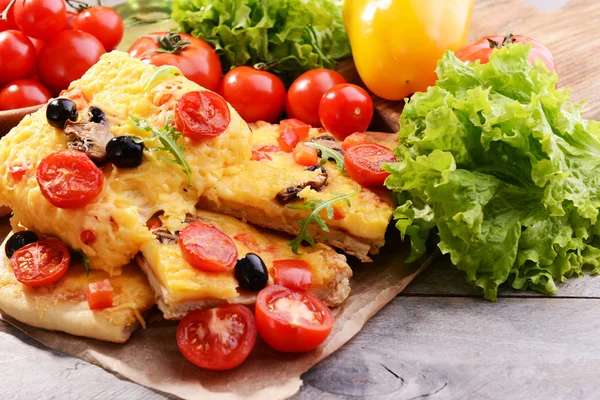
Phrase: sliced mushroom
(90, 138)
(166, 237)
(318, 183)
(328, 141)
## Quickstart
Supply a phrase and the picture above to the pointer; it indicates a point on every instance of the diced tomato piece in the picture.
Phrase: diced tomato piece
(261, 153)
(88, 237)
(338, 213)
(353, 140)
(17, 172)
(154, 223)
(291, 131)
(100, 295)
(294, 274)
(246, 240)
(305, 155)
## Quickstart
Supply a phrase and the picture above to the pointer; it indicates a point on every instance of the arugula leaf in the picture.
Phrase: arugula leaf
(169, 138)
(327, 153)
(78, 257)
(161, 73)
(317, 206)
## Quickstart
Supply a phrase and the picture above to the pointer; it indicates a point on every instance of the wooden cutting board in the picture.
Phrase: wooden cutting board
(571, 32)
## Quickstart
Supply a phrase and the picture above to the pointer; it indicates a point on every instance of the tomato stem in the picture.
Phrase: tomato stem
(171, 43)
(78, 5)
(4, 15)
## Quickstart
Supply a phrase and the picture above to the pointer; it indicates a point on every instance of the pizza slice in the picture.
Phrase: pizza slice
(64, 305)
(182, 285)
(276, 191)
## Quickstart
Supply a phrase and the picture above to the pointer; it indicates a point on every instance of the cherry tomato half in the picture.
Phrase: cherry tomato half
(66, 58)
(207, 248)
(104, 23)
(17, 56)
(218, 339)
(293, 274)
(482, 49)
(10, 23)
(363, 163)
(305, 94)
(41, 263)
(41, 19)
(69, 179)
(195, 58)
(202, 115)
(23, 93)
(346, 109)
(292, 321)
(100, 295)
(256, 95)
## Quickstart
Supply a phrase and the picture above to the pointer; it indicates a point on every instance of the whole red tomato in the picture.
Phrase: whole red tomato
(346, 109)
(23, 93)
(17, 56)
(66, 58)
(305, 94)
(102, 22)
(195, 58)
(256, 95)
(71, 17)
(482, 49)
(40, 19)
(10, 18)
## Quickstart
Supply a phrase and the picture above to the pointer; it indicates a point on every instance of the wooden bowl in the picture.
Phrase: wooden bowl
(11, 118)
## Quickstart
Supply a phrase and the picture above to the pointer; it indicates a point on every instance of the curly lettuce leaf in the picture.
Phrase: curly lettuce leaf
(498, 163)
(287, 36)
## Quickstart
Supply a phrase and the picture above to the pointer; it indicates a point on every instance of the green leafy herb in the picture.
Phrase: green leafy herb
(496, 162)
(161, 73)
(169, 139)
(316, 206)
(287, 37)
(328, 153)
(78, 257)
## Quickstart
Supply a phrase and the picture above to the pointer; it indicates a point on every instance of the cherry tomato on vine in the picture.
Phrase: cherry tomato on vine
(17, 56)
(40, 19)
(66, 58)
(23, 93)
(346, 109)
(195, 58)
(10, 18)
(104, 23)
(71, 17)
(482, 49)
(256, 95)
(305, 94)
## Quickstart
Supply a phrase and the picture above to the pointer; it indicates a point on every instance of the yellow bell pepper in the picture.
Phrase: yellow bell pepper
(396, 43)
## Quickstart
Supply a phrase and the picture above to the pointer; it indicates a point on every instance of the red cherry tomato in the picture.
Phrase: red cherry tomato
(41, 263)
(71, 17)
(69, 179)
(346, 109)
(482, 49)
(256, 95)
(100, 295)
(363, 163)
(196, 59)
(218, 339)
(17, 56)
(23, 93)
(207, 248)
(293, 274)
(305, 94)
(37, 43)
(102, 22)
(291, 131)
(292, 321)
(202, 115)
(10, 23)
(41, 19)
(66, 58)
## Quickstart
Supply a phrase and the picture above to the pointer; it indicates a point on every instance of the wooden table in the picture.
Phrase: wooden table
(439, 339)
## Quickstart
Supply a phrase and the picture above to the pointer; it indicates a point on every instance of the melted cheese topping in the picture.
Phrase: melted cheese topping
(257, 186)
(129, 197)
(183, 283)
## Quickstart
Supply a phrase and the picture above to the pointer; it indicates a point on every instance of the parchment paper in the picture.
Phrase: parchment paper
(151, 357)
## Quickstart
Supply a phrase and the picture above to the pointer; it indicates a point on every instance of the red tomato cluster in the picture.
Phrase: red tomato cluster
(44, 47)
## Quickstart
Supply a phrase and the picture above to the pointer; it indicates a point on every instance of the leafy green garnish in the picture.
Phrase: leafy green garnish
(498, 164)
(328, 153)
(165, 71)
(317, 206)
(79, 257)
(169, 139)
